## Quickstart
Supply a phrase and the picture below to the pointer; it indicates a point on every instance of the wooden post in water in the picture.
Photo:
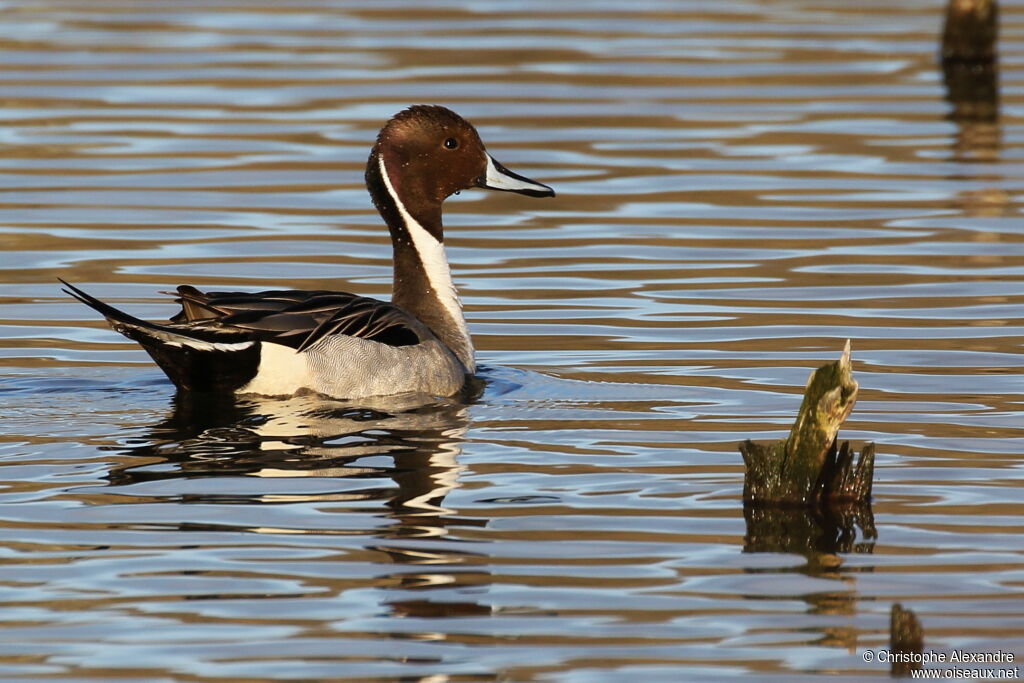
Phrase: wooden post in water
(970, 70)
(804, 495)
(905, 638)
(807, 467)
(970, 32)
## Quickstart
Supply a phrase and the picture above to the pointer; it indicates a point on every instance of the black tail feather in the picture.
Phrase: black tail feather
(106, 310)
(194, 359)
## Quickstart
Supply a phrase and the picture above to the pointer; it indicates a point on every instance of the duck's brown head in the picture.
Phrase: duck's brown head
(425, 154)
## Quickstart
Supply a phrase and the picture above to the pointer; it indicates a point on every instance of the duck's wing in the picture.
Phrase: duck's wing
(299, 319)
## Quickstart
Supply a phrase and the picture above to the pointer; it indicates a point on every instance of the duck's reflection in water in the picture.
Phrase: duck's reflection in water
(413, 444)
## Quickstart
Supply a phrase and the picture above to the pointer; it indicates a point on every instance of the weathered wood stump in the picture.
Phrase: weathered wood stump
(905, 637)
(970, 70)
(808, 467)
(970, 31)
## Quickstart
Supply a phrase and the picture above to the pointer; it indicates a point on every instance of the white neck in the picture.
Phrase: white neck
(435, 264)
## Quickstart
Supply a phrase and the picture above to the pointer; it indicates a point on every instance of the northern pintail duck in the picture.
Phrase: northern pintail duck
(334, 343)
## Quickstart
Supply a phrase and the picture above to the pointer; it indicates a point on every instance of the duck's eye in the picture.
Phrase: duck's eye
(451, 143)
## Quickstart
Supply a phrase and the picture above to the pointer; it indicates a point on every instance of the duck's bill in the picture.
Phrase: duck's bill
(497, 177)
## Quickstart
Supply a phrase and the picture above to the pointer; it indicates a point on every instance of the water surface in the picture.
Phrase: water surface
(742, 187)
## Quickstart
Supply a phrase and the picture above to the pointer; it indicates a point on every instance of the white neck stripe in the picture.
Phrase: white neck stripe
(435, 263)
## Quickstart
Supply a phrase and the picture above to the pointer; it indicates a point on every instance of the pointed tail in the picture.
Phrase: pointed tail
(194, 358)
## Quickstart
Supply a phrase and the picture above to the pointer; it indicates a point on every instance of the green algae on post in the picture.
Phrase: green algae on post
(808, 467)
